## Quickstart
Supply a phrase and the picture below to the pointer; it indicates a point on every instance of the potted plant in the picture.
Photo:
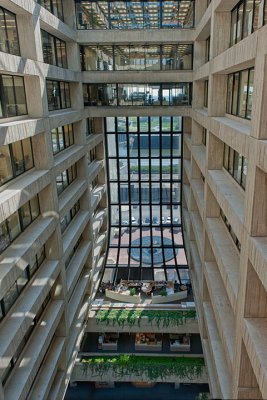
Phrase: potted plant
(163, 292)
(132, 291)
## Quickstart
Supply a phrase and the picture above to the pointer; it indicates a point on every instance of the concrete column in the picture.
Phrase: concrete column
(220, 33)
(30, 36)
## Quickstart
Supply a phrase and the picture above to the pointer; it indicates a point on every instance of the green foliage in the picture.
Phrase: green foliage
(202, 396)
(153, 367)
(163, 292)
(132, 291)
(163, 318)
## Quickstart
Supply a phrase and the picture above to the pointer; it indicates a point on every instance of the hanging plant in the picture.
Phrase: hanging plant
(153, 368)
(163, 318)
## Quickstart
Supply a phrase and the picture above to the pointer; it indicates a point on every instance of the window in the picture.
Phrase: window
(15, 159)
(236, 165)
(246, 19)
(9, 41)
(67, 263)
(206, 93)
(54, 50)
(66, 220)
(12, 96)
(230, 229)
(18, 222)
(92, 155)
(239, 93)
(13, 293)
(142, 15)
(204, 136)
(142, 57)
(66, 178)
(62, 138)
(58, 95)
(207, 50)
(146, 94)
(25, 339)
(54, 6)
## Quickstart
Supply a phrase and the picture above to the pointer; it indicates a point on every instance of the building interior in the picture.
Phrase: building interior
(133, 199)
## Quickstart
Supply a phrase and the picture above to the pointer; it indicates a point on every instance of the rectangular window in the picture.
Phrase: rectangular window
(62, 138)
(54, 50)
(239, 93)
(146, 94)
(54, 6)
(66, 178)
(230, 229)
(12, 96)
(206, 93)
(142, 14)
(58, 95)
(204, 136)
(17, 222)
(66, 220)
(246, 19)
(9, 41)
(207, 50)
(15, 159)
(236, 165)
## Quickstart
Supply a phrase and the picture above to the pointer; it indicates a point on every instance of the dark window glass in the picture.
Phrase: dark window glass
(12, 96)
(54, 50)
(239, 93)
(206, 93)
(54, 6)
(176, 94)
(9, 41)
(246, 17)
(236, 165)
(58, 95)
(62, 138)
(230, 229)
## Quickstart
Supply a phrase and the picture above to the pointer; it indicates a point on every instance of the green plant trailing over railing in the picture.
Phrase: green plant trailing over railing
(163, 318)
(152, 367)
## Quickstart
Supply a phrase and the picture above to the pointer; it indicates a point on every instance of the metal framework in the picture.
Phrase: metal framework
(144, 164)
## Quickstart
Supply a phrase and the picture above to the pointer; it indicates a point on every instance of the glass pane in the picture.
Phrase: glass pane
(12, 35)
(25, 213)
(9, 96)
(20, 95)
(6, 172)
(243, 89)
(4, 236)
(13, 226)
(27, 152)
(35, 210)
(18, 159)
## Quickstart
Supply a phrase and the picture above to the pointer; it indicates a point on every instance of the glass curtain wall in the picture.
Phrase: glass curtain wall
(144, 175)
(146, 94)
(137, 58)
(135, 14)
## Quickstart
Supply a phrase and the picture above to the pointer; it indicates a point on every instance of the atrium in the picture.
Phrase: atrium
(133, 201)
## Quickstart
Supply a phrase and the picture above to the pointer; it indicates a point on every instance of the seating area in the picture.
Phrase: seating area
(148, 342)
(179, 342)
(145, 291)
(108, 341)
